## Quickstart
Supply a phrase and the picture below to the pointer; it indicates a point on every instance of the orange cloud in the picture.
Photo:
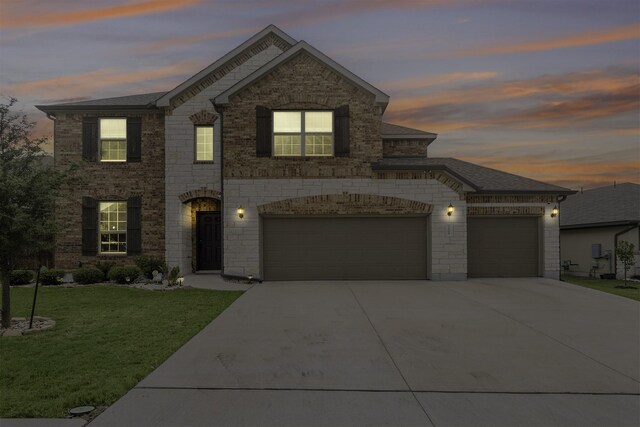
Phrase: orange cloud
(20, 19)
(628, 32)
(188, 40)
(92, 82)
(420, 82)
(565, 84)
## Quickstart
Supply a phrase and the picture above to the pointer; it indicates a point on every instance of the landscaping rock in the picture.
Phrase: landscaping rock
(20, 326)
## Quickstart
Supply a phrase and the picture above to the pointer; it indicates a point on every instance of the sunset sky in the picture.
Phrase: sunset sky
(549, 89)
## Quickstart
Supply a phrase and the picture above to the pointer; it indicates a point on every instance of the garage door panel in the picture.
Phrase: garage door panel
(503, 247)
(344, 248)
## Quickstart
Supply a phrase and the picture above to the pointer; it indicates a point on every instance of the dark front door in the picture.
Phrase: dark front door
(209, 252)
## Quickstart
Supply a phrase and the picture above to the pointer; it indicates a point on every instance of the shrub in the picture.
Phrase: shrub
(51, 277)
(173, 276)
(21, 277)
(88, 275)
(105, 266)
(121, 274)
(149, 264)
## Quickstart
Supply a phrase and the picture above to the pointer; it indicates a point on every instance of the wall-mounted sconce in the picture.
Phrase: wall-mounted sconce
(449, 209)
(554, 211)
(240, 212)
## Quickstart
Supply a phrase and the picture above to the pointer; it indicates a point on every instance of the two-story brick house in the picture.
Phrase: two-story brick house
(274, 162)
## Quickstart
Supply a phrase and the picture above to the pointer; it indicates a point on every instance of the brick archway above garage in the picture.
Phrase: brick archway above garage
(346, 204)
(199, 193)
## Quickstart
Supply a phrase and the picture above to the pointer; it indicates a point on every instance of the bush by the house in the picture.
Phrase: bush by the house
(104, 267)
(124, 275)
(21, 277)
(88, 275)
(51, 277)
(149, 264)
(173, 276)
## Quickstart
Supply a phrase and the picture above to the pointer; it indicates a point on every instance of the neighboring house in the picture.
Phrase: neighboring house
(274, 162)
(592, 222)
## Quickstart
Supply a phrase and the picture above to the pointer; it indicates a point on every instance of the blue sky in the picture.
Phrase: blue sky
(549, 89)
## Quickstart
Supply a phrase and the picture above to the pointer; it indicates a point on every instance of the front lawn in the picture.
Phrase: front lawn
(107, 338)
(605, 285)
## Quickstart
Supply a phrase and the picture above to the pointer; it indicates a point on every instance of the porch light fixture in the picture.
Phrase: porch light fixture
(449, 209)
(240, 212)
(554, 211)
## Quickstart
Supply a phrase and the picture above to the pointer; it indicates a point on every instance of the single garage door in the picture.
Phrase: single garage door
(335, 248)
(502, 247)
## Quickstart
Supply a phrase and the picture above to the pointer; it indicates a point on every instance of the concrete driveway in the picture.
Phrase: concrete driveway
(489, 352)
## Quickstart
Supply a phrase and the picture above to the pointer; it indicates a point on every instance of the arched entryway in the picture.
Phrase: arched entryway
(206, 229)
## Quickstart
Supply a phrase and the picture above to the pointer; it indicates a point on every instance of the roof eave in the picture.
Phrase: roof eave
(52, 109)
(599, 224)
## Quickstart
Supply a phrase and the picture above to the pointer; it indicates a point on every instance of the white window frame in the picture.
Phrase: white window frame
(195, 144)
(112, 139)
(100, 231)
(303, 133)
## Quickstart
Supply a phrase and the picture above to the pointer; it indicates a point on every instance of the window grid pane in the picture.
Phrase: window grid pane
(113, 150)
(113, 227)
(318, 145)
(287, 145)
(204, 143)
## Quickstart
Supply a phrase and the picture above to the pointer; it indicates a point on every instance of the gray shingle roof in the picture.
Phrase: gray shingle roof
(130, 101)
(604, 205)
(482, 179)
(397, 130)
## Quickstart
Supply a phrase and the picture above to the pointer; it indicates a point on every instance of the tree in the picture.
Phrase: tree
(27, 196)
(624, 252)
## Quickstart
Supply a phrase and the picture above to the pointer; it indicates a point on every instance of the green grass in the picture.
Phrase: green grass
(605, 286)
(106, 339)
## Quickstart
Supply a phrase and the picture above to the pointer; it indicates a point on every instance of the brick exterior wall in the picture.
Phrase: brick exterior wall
(107, 182)
(301, 83)
(404, 148)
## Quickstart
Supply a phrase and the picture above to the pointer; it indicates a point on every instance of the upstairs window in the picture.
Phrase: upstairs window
(204, 143)
(113, 140)
(303, 133)
(113, 227)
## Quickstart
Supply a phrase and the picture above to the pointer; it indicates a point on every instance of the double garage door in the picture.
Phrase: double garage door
(503, 246)
(336, 248)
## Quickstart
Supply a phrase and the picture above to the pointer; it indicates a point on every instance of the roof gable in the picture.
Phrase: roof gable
(381, 98)
(271, 34)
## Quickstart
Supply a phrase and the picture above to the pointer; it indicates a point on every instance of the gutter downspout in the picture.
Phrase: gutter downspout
(560, 199)
(220, 110)
(615, 245)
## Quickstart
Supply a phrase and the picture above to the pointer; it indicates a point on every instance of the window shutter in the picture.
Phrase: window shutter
(263, 131)
(341, 131)
(134, 225)
(89, 226)
(90, 138)
(134, 139)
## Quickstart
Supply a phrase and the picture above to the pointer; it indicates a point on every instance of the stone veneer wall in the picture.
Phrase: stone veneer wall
(519, 204)
(242, 236)
(404, 148)
(181, 171)
(110, 181)
(301, 83)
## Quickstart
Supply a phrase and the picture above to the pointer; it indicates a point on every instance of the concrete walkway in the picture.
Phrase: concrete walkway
(483, 352)
(213, 281)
